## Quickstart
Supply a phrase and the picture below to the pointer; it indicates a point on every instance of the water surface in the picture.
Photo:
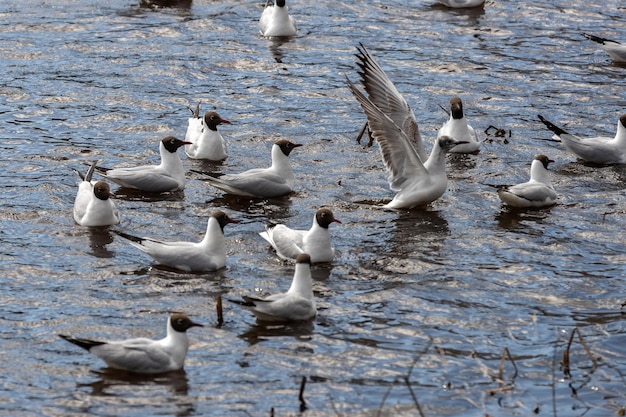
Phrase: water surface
(430, 297)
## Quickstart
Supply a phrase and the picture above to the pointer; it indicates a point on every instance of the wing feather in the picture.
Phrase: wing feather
(399, 156)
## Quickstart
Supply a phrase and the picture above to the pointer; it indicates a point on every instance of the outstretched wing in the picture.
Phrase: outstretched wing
(400, 157)
(384, 94)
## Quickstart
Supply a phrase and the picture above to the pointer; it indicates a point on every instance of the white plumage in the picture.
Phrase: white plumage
(275, 181)
(276, 21)
(297, 304)
(600, 149)
(93, 205)
(289, 243)
(207, 255)
(142, 355)
(537, 192)
(418, 180)
(169, 175)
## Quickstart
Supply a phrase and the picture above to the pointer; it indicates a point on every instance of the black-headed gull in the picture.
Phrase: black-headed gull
(207, 255)
(206, 141)
(169, 175)
(275, 181)
(289, 243)
(275, 20)
(142, 355)
(615, 49)
(457, 128)
(393, 125)
(599, 150)
(461, 4)
(93, 205)
(297, 304)
(537, 192)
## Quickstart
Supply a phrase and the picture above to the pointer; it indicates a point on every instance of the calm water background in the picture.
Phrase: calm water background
(435, 295)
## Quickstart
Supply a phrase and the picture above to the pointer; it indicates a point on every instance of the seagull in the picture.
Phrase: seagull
(92, 206)
(169, 175)
(207, 255)
(142, 355)
(418, 180)
(456, 127)
(615, 49)
(459, 4)
(289, 243)
(537, 192)
(599, 150)
(274, 181)
(297, 304)
(276, 21)
(206, 141)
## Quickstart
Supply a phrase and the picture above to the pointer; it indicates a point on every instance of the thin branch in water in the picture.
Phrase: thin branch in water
(220, 313)
(566, 352)
(301, 395)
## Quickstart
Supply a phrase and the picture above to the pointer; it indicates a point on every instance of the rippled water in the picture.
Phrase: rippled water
(436, 298)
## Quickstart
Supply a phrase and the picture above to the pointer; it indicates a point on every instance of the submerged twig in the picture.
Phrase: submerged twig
(406, 379)
(501, 373)
(566, 355)
(370, 141)
(301, 395)
(220, 314)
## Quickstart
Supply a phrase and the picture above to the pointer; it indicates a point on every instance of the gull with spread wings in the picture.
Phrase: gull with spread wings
(417, 178)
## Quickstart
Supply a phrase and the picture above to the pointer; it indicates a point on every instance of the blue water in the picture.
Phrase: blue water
(432, 296)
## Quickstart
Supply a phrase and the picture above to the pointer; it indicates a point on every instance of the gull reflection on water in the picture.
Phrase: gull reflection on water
(110, 380)
(264, 330)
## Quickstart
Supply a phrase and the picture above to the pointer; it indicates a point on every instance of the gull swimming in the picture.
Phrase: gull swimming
(207, 255)
(275, 181)
(457, 128)
(600, 149)
(537, 192)
(169, 175)
(418, 180)
(297, 304)
(275, 20)
(205, 140)
(93, 205)
(289, 243)
(142, 355)
(615, 49)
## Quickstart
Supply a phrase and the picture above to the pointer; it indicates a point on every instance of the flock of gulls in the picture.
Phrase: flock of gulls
(416, 177)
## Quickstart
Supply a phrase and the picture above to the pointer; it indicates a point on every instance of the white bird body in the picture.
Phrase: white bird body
(143, 355)
(169, 175)
(206, 142)
(393, 125)
(275, 181)
(297, 304)
(93, 206)
(207, 255)
(615, 49)
(289, 243)
(599, 150)
(460, 4)
(457, 128)
(537, 192)
(276, 22)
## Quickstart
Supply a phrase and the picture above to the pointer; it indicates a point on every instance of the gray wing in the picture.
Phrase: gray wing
(260, 184)
(384, 94)
(143, 179)
(139, 355)
(399, 155)
(533, 191)
(287, 242)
